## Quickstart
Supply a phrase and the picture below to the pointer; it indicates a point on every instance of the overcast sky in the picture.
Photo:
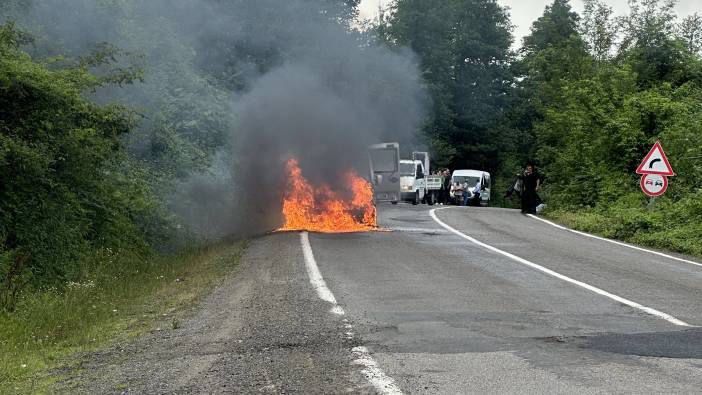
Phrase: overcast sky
(524, 12)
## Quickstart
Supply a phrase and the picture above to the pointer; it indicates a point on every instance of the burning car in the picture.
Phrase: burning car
(321, 209)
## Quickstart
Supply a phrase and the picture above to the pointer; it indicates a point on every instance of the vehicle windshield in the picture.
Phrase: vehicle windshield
(384, 160)
(407, 169)
(472, 180)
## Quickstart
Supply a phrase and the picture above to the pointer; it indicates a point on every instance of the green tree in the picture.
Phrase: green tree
(344, 11)
(552, 55)
(599, 29)
(65, 187)
(690, 33)
(650, 46)
(463, 47)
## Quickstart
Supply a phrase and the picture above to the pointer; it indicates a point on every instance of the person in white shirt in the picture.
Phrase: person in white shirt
(466, 193)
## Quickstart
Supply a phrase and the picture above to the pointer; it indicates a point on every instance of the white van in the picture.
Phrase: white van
(472, 177)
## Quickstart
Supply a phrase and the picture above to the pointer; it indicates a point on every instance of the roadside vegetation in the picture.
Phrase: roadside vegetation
(126, 297)
(90, 253)
(585, 96)
(620, 85)
(669, 226)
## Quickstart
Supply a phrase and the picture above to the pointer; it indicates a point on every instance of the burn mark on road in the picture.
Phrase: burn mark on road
(679, 344)
(685, 344)
(412, 219)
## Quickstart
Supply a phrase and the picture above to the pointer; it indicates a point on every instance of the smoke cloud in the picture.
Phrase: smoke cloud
(282, 77)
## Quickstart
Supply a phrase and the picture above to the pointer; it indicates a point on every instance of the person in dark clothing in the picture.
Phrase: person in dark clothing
(531, 182)
(446, 187)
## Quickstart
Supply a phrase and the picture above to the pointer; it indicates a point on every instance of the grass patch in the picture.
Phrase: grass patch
(666, 225)
(118, 302)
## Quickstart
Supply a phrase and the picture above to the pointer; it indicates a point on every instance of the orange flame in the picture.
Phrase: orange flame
(322, 209)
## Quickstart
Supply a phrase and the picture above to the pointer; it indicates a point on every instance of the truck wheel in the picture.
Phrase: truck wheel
(394, 202)
(415, 201)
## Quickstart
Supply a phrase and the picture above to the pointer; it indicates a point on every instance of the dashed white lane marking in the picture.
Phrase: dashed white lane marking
(338, 310)
(380, 381)
(550, 272)
(619, 243)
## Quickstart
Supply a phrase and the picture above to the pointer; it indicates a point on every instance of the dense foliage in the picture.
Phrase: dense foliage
(586, 96)
(82, 179)
(618, 86)
(65, 186)
(464, 49)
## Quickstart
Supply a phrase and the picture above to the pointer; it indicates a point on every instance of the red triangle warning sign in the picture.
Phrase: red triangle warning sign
(656, 162)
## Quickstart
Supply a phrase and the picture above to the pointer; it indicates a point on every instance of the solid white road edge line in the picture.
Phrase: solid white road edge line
(380, 381)
(550, 272)
(616, 242)
(316, 278)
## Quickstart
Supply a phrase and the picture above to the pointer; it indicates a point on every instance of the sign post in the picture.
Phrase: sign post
(655, 170)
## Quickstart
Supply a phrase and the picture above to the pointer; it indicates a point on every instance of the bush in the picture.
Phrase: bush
(666, 224)
(66, 188)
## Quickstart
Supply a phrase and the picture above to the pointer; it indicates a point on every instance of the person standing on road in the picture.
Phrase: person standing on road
(475, 198)
(531, 183)
(466, 193)
(446, 191)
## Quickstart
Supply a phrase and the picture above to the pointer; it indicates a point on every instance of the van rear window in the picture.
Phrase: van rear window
(384, 160)
(462, 179)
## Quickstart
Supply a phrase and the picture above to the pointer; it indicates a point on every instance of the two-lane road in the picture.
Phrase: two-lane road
(442, 314)
(452, 300)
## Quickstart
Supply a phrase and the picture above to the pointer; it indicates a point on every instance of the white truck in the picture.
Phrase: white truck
(470, 178)
(416, 184)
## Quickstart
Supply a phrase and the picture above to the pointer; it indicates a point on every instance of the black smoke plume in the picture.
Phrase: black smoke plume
(286, 78)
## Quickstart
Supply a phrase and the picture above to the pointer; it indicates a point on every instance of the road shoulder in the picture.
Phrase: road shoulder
(262, 330)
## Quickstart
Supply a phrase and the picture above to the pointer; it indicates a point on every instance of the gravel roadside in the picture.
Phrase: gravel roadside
(263, 330)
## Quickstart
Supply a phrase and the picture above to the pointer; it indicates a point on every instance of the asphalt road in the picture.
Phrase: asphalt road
(420, 309)
(444, 315)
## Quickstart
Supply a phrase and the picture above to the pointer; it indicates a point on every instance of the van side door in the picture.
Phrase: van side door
(384, 161)
(486, 187)
(420, 179)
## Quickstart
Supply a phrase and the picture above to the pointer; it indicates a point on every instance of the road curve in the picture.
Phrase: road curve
(420, 307)
(443, 315)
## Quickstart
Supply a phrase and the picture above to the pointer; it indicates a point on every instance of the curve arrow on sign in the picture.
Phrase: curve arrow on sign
(656, 162)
